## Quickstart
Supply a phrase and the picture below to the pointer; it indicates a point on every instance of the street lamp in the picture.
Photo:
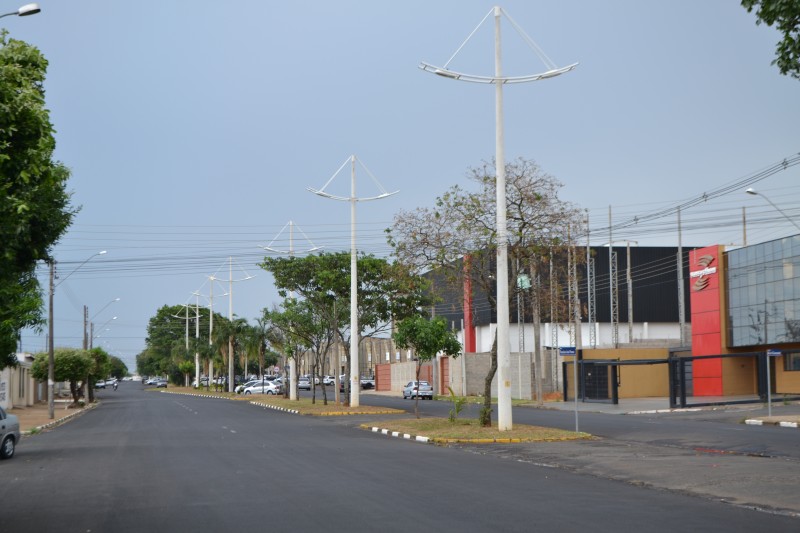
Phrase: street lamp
(503, 344)
(754, 192)
(355, 382)
(24, 11)
(51, 366)
(89, 322)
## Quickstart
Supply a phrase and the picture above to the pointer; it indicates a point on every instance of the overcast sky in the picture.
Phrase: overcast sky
(193, 129)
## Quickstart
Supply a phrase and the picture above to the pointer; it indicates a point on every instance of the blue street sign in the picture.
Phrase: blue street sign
(566, 350)
(772, 352)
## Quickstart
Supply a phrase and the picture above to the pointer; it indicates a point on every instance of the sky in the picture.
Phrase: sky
(193, 130)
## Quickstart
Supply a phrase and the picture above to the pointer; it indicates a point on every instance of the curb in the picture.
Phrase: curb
(196, 395)
(757, 422)
(434, 440)
(661, 411)
(275, 407)
(401, 435)
(58, 422)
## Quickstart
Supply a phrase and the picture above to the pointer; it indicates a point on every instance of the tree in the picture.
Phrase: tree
(303, 321)
(385, 291)
(99, 370)
(117, 368)
(785, 15)
(427, 338)
(70, 365)
(34, 204)
(457, 240)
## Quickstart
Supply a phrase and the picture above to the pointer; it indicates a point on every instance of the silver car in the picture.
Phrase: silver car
(9, 434)
(267, 387)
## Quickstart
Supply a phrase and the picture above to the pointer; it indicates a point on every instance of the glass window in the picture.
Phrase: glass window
(791, 361)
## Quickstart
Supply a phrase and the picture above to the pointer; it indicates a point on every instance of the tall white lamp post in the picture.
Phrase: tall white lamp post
(355, 383)
(504, 422)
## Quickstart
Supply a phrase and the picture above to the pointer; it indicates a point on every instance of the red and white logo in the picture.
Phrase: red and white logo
(704, 261)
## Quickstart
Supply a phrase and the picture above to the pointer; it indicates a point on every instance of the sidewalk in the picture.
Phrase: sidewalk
(37, 416)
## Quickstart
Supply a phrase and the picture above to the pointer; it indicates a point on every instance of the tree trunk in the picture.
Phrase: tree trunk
(486, 412)
(74, 390)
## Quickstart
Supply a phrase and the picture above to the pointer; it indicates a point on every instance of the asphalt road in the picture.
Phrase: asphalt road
(160, 462)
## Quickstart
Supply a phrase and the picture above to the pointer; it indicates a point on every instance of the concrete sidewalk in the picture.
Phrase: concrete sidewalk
(37, 416)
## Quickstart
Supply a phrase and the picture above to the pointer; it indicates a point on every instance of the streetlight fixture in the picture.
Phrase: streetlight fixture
(504, 422)
(24, 11)
(754, 192)
(51, 365)
(355, 382)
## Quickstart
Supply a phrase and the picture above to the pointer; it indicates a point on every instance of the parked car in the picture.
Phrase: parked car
(100, 384)
(367, 383)
(328, 380)
(304, 383)
(421, 389)
(9, 434)
(240, 388)
(161, 383)
(203, 382)
(266, 387)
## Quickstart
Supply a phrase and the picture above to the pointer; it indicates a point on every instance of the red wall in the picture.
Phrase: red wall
(705, 270)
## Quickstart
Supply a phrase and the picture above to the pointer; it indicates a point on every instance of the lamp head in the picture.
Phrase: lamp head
(28, 9)
(751, 190)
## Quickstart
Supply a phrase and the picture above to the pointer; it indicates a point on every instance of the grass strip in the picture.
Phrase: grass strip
(441, 430)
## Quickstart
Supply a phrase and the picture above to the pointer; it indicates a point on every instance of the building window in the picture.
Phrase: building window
(791, 361)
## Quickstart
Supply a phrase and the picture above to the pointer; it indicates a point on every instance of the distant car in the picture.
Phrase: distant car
(367, 383)
(111, 381)
(161, 383)
(151, 381)
(421, 389)
(9, 434)
(203, 382)
(100, 384)
(266, 387)
(328, 380)
(304, 383)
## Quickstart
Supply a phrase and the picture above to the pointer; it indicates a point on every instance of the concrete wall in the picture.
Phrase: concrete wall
(17, 387)
(477, 367)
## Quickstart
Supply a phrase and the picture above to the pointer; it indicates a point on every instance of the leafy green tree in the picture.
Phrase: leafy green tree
(117, 367)
(785, 15)
(34, 203)
(427, 337)
(70, 365)
(308, 324)
(101, 365)
(385, 291)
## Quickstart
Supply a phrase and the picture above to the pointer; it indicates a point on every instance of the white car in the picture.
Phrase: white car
(328, 380)
(262, 388)
(240, 388)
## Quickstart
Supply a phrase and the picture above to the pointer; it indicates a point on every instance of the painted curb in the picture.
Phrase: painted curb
(196, 395)
(275, 407)
(58, 422)
(783, 424)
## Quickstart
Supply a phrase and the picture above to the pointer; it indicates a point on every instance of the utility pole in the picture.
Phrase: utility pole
(51, 367)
